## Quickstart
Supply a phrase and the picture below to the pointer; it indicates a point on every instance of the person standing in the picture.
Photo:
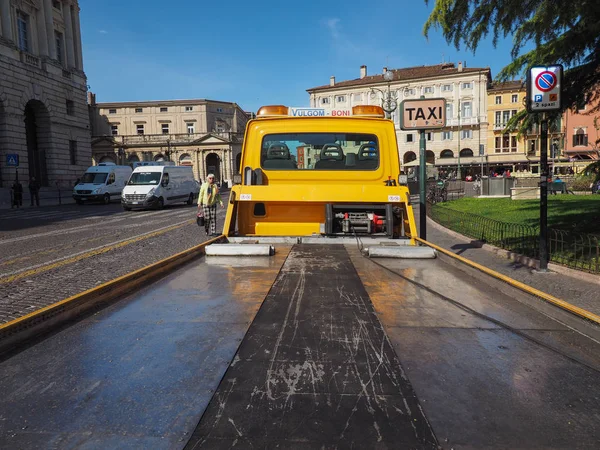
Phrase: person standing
(17, 189)
(34, 191)
(207, 200)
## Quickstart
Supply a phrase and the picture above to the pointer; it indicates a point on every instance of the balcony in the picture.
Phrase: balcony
(500, 126)
(174, 139)
(463, 121)
(31, 60)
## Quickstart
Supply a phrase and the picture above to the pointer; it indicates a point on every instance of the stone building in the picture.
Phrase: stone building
(462, 141)
(44, 119)
(520, 154)
(204, 134)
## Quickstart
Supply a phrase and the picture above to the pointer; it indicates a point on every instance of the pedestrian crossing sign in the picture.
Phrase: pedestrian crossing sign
(12, 160)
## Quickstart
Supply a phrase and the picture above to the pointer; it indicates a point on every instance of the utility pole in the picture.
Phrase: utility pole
(422, 181)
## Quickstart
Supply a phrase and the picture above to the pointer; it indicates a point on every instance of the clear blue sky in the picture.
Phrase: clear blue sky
(255, 53)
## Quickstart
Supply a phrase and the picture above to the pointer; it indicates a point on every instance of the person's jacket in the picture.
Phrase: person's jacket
(209, 195)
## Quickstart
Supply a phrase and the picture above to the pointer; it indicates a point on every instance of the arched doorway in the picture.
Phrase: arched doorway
(133, 157)
(107, 159)
(466, 153)
(2, 133)
(37, 132)
(409, 157)
(238, 162)
(447, 153)
(185, 160)
(430, 157)
(159, 157)
(213, 165)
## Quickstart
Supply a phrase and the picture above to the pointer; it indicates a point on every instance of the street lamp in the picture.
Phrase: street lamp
(389, 100)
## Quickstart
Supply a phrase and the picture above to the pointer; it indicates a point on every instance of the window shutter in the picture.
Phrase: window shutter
(585, 139)
(574, 140)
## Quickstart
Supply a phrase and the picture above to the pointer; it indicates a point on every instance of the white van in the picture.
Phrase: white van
(103, 182)
(157, 186)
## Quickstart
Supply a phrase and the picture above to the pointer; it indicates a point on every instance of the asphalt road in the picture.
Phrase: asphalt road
(50, 253)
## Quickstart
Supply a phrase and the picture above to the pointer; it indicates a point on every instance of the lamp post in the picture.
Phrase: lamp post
(389, 100)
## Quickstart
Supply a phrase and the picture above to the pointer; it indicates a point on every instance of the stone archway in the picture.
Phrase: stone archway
(185, 160)
(3, 128)
(466, 153)
(107, 159)
(213, 165)
(133, 157)
(38, 137)
(430, 157)
(447, 153)
(159, 157)
(409, 157)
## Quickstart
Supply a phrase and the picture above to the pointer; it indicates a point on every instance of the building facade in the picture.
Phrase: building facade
(44, 122)
(204, 134)
(508, 150)
(582, 134)
(460, 144)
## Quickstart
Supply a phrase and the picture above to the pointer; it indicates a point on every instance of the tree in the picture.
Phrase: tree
(563, 32)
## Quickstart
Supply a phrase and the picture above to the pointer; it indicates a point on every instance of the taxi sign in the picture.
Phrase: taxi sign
(544, 85)
(423, 114)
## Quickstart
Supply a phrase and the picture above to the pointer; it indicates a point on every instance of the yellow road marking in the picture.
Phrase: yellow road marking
(128, 277)
(99, 251)
(524, 287)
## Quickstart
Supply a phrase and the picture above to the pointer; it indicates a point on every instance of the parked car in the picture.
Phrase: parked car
(156, 186)
(102, 183)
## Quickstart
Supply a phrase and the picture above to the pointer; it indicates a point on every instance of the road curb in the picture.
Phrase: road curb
(15, 333)
(565, 306)
(521, 259)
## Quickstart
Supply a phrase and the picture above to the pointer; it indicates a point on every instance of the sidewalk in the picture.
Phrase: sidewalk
(578, 288)
(48, 197)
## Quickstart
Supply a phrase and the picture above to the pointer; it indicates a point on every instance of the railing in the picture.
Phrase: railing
(173, 139)
(574, 250)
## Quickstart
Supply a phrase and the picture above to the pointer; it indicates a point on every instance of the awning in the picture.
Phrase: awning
(415, 163)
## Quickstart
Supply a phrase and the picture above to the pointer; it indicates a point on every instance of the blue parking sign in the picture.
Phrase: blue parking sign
(538, 98)
(12, 160)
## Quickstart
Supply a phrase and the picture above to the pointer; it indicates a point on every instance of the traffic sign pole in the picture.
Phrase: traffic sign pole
(422, 180)
(544, 195)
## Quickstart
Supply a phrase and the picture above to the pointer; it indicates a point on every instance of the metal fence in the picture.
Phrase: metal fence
(575, 250)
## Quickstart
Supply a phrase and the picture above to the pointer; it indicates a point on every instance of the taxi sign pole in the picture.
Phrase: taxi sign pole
(544, 195)
(422, 178)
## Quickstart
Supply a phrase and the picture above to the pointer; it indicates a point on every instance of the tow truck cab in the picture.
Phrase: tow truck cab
(314, 174)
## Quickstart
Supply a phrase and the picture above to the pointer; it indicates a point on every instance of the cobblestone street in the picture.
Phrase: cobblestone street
(50, 253)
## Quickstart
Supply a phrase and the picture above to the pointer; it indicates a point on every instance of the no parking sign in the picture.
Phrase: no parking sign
(544, 84)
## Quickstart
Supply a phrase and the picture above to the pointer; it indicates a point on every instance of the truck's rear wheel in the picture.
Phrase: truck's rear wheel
(160, 204)
(106, 199)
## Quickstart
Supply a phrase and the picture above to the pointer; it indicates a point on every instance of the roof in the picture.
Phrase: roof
(409, 73)
(512, 85)
(199, 101)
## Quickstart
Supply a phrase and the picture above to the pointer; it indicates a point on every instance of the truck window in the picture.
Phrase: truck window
(320, 151)
(144, 178)
(94, 178)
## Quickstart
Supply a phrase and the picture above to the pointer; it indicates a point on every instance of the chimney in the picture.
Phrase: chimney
(460, 66)
(384, 70)
(363, 72)
(332, 81)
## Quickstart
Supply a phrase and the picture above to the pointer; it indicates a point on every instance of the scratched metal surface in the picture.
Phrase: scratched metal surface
(533, 384)
(140, 373)
(315, 369)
